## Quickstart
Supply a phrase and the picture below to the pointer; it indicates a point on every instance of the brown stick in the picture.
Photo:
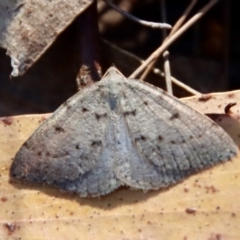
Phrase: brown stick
(87, 27)
(172, 38)
(176, 26)
(137, 20)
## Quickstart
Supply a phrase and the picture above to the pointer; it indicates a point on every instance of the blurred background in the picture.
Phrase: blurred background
(206, 57)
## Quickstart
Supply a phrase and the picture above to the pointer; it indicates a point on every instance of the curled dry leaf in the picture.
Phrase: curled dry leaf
(215, 103)
(215, 108)
(29, 27)
(27, 211)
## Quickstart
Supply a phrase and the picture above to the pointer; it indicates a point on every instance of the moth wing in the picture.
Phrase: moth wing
(68, 150)
(163, 140)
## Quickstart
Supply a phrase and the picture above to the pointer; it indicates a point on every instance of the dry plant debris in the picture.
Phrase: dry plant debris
(29, 27)
(29, 211)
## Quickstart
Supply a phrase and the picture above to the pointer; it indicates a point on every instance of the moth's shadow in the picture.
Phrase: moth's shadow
(121, 196)
(125, 195)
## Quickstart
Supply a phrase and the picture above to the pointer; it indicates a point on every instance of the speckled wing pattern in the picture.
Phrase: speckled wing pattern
(120, 132)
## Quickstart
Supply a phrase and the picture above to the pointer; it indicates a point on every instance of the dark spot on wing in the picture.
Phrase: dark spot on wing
(59, 129)
(172, 142)
(84, 109)
(145, 103)
(143, 138)
(130, 113)
(26, 145)
(140, 138)
(100, 116)
(14, 174)
(97, 143)
(39, 153)
(174, 116)
(77, 147)
(160, 138)
(66, 104)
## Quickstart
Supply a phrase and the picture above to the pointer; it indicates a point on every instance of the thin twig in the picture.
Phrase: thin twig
(135, 19)
(177, 82)
(167, 71)
(176, 26)
(166, 63)
(182, 19)
(172, 38)
(156, 71)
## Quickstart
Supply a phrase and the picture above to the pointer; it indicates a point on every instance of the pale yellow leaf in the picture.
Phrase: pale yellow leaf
(205, 206)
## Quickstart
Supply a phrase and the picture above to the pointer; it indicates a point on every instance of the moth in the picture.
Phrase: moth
(120, 132)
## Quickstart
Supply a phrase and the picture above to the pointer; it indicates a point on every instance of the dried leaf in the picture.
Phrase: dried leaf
(204, 206)
(29, 27)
